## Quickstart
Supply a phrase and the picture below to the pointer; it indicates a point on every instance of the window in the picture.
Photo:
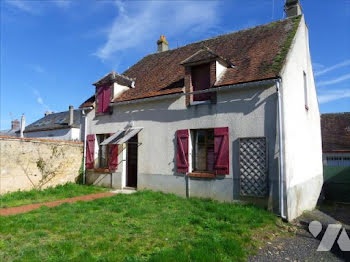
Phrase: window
(200, 76)
(103, 151)
(305, 92)
(203, 150)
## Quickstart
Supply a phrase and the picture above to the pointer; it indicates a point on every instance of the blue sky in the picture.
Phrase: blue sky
(52, 51)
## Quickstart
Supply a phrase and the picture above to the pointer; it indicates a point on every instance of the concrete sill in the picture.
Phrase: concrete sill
(197, 103)
(201, 175)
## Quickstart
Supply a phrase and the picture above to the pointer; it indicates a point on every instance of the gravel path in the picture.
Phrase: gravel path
(27, 208)
(302, 246)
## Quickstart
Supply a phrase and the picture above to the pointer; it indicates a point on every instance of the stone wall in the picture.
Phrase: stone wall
(27, 163)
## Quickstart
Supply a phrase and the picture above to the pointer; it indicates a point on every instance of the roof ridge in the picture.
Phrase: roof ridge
(217, 36)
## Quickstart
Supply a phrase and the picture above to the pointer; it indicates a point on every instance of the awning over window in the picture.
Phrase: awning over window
(121, 136)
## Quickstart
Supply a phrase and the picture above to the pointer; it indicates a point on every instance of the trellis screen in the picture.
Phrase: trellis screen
(253, 166)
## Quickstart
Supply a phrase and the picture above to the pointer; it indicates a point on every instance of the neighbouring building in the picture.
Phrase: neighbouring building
(233, 117)
(60, 126)
(336, 156)
(15, 126)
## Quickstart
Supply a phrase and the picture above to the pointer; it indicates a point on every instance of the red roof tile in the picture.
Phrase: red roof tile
(257, 53)
(335, 131)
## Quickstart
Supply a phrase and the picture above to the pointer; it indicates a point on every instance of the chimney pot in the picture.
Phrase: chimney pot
(162, 44)
(292, 8)
(71, 115)
(23, 124)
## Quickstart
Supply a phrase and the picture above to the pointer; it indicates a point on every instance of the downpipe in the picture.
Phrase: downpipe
(281, 150)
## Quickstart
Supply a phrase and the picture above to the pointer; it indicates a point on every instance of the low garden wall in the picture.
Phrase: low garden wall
(27, 163)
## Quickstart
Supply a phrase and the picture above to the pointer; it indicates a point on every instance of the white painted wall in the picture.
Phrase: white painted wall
(220, 70)
(72, 134)
(302, 131)
(249, 112)
(119, 89)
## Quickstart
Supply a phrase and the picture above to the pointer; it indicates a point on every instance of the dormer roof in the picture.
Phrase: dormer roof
(204, 55)
(114, 77)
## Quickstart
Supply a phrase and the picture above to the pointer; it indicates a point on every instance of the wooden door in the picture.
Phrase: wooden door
(131, 179)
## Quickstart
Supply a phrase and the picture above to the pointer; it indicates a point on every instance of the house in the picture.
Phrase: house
(336, 156)
(62, 126)
(15, 126)
(232, 118)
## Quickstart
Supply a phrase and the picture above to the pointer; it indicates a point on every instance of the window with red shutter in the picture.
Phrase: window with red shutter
(103, 99)
(182, 151)
(221, 150)
(200, 76)
(113, 159)
(90, 151)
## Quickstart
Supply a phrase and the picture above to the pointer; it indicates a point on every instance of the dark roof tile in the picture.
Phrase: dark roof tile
(335, 131)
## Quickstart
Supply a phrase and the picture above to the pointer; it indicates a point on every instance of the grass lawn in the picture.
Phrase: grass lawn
(145, 226)
(20, 198)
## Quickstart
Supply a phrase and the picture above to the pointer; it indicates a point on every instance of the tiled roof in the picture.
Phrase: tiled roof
(335, 131)
(88, 102)
(257, 53)
(54, 121)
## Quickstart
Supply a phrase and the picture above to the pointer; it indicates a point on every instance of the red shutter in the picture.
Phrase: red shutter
(90, 151)
(100, 99)
(182, 151)
(103, 99)
(221, 151)
(106, 98)
(113, 159)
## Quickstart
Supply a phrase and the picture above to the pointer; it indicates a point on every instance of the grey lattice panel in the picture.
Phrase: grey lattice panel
(253, 166)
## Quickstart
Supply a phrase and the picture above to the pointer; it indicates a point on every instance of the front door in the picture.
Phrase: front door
(131, 177)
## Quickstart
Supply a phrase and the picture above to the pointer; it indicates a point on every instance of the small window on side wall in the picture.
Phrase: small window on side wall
(306, 98)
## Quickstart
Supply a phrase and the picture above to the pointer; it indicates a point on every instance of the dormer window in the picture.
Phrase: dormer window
(200, 76)
(110, 87)
(202, 70)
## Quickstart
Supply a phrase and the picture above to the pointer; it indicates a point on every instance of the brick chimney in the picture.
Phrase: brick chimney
(15, 124)
(292, 8)
(71, 115)
(162, 44)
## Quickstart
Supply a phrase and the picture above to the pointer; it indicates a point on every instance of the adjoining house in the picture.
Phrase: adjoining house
(336, 155)
(234, 117)
(62, 126)
(15, 126)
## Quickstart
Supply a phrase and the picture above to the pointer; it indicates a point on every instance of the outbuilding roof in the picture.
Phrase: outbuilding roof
(54, 121)
(335, 131)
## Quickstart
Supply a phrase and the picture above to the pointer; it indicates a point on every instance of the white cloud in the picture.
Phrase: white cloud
(322, 70)
(25, 6)
(332, 95)
(35, 7)
(62, 3)
(138, 23)
(333, 81)
(37, 68)
(40, 100)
